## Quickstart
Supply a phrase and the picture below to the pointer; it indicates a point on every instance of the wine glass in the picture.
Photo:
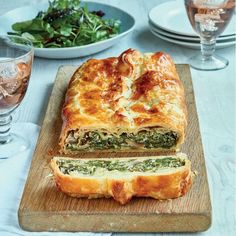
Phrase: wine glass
(16, 57)
(209, 18)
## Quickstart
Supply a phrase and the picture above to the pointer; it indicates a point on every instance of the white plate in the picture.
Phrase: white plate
(29, 12)
(171, 16)
(180, 37)
(190, 44)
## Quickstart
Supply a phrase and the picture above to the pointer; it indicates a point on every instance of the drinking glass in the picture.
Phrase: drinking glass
(209, 18)
(16, 57)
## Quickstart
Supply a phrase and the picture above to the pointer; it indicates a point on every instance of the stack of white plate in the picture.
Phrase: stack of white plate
(169, 21)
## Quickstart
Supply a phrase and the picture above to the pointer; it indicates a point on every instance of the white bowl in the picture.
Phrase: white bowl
(29, 12)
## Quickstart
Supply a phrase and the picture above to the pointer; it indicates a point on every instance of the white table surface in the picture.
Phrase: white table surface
(214, 94)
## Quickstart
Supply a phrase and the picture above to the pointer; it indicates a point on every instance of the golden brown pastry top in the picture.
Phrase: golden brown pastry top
(128, 92)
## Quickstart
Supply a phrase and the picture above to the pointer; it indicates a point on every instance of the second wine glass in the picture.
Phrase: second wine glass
(209, 18)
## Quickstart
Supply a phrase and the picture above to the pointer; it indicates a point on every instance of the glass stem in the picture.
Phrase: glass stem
(5, 125)
(207, 48)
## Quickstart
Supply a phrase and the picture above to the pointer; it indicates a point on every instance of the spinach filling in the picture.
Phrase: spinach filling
(132, 165)
(147, 138)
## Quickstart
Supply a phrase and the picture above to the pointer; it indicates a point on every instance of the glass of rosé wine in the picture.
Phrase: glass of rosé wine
(16, 58)
(209, 19)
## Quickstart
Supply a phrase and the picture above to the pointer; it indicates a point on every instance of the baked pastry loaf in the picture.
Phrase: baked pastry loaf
(162, 177)
(134, 101)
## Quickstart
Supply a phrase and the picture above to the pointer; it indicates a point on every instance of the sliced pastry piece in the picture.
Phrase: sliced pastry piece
(162, 177)
(131, 102)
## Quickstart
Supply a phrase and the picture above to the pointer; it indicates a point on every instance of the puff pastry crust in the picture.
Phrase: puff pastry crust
(126, 95)
(167, 183)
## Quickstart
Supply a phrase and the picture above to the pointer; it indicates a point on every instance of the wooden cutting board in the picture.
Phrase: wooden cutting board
(44, 208)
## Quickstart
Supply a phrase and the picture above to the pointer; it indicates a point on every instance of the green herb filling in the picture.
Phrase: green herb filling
(146, 139)
(89, 167)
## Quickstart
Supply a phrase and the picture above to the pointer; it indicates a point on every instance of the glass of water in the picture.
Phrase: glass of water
(209, 18)
(16, 58)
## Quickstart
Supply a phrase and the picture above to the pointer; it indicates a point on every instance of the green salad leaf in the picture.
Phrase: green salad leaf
(66, 24)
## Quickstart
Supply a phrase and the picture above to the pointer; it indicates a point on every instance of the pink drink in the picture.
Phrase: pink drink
(209, 17)
(14, 80)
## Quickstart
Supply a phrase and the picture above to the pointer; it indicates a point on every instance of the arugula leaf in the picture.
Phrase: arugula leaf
(66, 30)
(21, 26)
(32, 25)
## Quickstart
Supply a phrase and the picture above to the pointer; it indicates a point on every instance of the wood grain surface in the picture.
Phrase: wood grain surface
(44, 208)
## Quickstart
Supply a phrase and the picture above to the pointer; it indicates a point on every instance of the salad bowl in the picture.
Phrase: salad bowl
(111, 12)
